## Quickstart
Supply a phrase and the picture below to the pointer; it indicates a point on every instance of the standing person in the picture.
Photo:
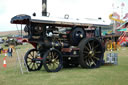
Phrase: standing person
(10, 52)
(0, 49)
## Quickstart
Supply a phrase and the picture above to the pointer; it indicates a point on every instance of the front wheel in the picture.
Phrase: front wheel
(32, 60)
(52, 60)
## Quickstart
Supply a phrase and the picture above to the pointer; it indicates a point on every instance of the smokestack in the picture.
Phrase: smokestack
(44, 7)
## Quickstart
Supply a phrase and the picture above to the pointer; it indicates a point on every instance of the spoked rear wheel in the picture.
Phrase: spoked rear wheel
(91, 53)
(33, 60)
(52, 60)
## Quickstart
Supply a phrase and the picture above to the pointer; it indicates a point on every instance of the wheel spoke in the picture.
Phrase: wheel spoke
(36, 65)
(49, 58)
(85, 57)
(89, 62)
(93, 48)
(57, 62)
(93, 61)
(85, 52)
(49, 65)
(29, 64)
(52, 55)
(33, 66)
(87, 48)
(31, 55)
(89, 45)
(98, 52)
(49, 53)
(93, 43)
(53, 65)
(29, 61)
(29, 58)
(56, 57)
(96, 58)
(96, 46)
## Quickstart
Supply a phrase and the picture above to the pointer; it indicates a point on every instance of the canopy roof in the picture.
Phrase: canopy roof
(26, 19)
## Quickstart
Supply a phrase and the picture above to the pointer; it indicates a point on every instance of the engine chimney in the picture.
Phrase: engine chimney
(44, 7)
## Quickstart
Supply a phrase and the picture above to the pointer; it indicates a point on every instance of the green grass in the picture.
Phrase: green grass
(105, 75)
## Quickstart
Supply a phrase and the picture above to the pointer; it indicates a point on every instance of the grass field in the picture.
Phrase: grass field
(105, 75)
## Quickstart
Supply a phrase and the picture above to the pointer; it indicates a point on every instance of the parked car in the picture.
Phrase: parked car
(1, 41)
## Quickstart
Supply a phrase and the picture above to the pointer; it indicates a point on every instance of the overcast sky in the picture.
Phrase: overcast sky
(58, 8)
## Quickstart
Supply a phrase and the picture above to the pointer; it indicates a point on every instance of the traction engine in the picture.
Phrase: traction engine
(60, 44)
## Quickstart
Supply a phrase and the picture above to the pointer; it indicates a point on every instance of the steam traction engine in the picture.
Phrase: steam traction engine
(61, 43)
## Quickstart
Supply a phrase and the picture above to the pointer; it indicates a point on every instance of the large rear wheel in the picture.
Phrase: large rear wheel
(91, 53)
